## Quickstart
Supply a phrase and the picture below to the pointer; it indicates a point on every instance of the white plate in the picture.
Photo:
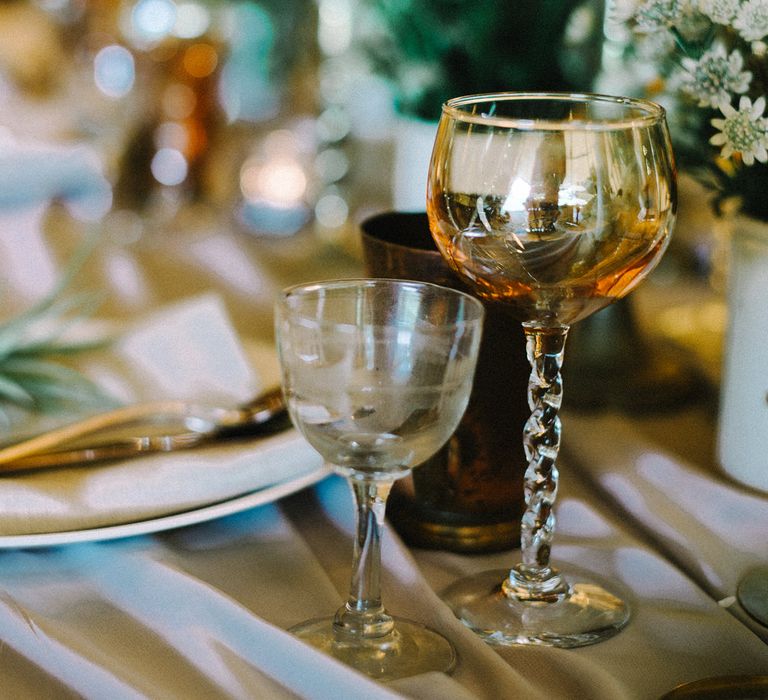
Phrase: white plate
(167, 522)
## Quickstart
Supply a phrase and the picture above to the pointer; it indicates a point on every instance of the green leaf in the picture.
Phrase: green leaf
(13, 392)
(55, 348)
(45, 380)
(54, 297)
(42, 334)
(28, 377)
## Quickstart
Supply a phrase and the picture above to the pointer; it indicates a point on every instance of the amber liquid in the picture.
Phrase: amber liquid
(550, 267)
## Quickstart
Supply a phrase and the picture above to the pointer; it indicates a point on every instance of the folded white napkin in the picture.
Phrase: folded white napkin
(188, 351)
(713, 529)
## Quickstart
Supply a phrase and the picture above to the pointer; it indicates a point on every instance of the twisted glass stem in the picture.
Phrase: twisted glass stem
(533, 578)
(363, 615)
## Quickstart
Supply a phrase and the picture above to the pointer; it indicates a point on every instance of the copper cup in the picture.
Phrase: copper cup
(469, 496)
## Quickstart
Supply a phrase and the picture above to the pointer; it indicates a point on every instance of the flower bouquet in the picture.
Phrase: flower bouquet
(710, 59)
(707, 61)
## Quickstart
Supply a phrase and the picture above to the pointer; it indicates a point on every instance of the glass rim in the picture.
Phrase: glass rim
(358, 282)
(648, 112)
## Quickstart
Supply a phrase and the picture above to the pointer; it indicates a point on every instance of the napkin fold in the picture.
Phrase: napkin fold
(712, 529)
(187, 351)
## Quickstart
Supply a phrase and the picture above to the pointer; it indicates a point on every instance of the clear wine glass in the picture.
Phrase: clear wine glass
(377, 374)
(554, 205)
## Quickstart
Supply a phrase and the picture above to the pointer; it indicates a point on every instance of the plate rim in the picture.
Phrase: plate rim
(172, 521)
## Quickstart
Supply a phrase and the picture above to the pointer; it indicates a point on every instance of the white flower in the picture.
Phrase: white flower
(681, 15)
(715, 76)
(742, 131)
(752, 20)
(655, 14)
(653, 46)
(720, 11)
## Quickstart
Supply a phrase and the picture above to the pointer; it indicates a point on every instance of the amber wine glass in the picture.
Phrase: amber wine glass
(554, 205)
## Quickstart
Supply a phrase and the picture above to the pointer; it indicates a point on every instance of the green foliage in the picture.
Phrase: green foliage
(433, 50)
(34, 343)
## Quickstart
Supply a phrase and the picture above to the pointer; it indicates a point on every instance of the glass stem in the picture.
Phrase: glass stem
(363, 615)
(533, 578)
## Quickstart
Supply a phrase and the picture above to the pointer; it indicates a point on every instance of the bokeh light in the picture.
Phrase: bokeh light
(192, 20)
(280, 181)
(200, 60)
(334, 33)
(246, 87)
(152, 20)
(331, 165)
(169, 167)
(333, 124)
(331, 210)
(114, 71)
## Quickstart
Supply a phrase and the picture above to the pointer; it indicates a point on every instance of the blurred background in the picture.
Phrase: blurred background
(284, 114)
(249, 138)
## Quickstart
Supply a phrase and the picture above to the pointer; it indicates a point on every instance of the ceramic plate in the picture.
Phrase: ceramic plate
(168, 522)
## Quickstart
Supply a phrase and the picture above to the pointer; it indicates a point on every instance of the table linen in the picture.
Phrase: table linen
(712, 528)
(200, 612)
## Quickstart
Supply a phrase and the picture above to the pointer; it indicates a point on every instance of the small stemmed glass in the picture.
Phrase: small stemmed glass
(377, 374)
(554, 205)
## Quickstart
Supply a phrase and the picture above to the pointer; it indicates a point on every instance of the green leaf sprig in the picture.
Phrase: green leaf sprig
(33, 343)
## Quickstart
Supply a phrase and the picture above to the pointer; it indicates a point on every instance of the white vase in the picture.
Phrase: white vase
(742, 444)
(413, 141)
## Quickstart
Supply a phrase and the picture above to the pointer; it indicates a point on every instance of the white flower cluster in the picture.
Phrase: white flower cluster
(735, 32)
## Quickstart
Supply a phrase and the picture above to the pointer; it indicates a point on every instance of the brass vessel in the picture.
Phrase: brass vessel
(469, 496)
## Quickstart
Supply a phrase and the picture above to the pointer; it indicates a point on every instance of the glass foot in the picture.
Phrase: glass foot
(752, 593)
(410, 649)
(586, 614)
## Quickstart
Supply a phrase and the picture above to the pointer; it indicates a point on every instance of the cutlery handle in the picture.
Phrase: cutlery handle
(119, 449)
(176, 425)
(111, 420)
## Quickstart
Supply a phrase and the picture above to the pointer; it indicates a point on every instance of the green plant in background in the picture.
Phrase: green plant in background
(432, 50)
(34, 343)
